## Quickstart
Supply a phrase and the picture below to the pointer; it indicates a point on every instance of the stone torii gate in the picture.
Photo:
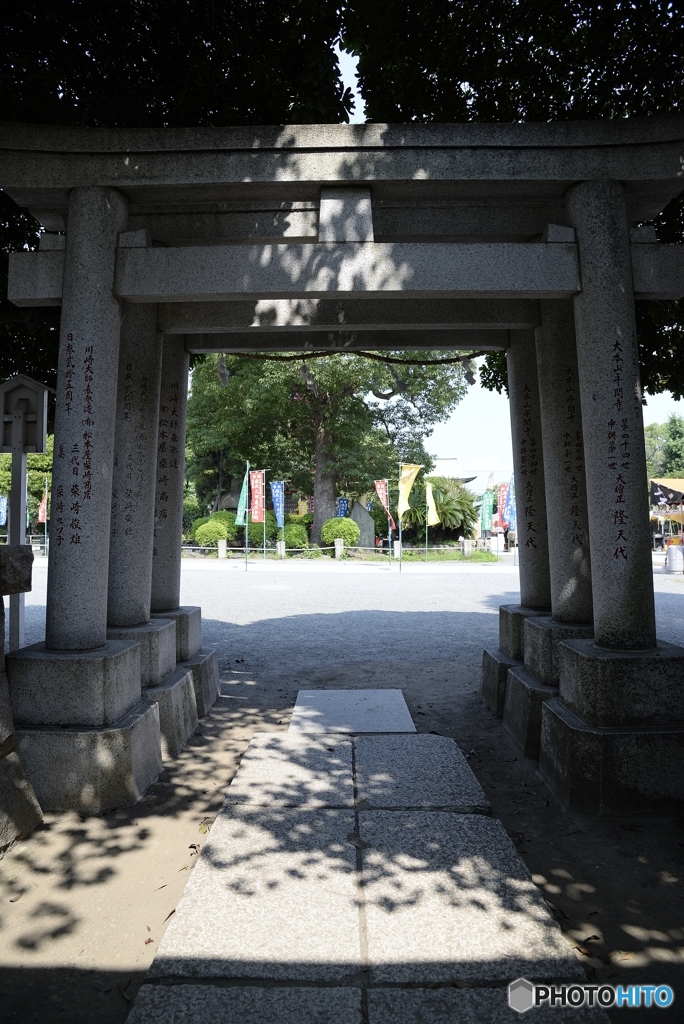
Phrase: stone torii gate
(338, 238)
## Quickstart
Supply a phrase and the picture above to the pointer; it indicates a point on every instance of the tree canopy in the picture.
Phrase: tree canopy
(665, 448)
(148, 64)
(332, 424)
(452, 60)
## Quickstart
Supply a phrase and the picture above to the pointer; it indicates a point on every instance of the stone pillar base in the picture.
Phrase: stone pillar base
(525, 697)
(188, 621)
(609, 772)
(92, 770)
(73, 688)
(511, 620)
(639, 689)
(19, 810)
(157, 641)
(495, 666)
(541, 637)
(175, 698)
(205, 678)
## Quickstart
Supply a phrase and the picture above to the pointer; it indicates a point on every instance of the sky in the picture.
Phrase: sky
(478, 435)
(476, 440)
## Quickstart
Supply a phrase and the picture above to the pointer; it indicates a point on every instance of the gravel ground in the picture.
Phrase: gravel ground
(95, 890)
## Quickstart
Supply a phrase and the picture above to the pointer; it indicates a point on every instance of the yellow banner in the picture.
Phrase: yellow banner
(432, 515)
(408, 475)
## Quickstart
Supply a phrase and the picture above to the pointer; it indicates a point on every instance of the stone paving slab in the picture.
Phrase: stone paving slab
(448, 899)
(273, 896)
(294, 770)
(465, 1006)
(211, 1004)
(351, 711)
(415, 771)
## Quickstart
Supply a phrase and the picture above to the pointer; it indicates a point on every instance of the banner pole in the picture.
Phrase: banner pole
(264, 515)
(400, 522)
(426, 525)
(389, 526)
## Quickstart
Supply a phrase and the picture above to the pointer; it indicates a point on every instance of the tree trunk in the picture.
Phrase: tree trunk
(324, 483)
(217, 502)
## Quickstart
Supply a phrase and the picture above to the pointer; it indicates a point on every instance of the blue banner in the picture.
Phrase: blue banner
(3, 510)
(278, 496)
(342, 508)
(509, 508)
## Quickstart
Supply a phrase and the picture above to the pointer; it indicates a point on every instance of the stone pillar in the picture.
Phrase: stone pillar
(528, 468)
(76, 617)
(135, 464)
(612, 420)
(170, 479)
(566, 492)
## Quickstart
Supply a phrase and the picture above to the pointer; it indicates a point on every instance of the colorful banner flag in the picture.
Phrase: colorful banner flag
(432, 514)
(383, 496)
(509, 511)
(302, 507)
(42, 510)
(501, 496)
(243, 501)
(257, 480)
(486, 510)
(406, 480)
(278, 499)
(3, 510)
(342, 508)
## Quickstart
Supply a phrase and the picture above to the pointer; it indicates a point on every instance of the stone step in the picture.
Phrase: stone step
(274, 897)
(449, 900)
(211, 1004)
(294, 770)
(416, 771)
(351, 711)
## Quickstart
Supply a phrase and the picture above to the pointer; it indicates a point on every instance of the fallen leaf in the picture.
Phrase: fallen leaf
(122, 989)
(205, 825)
(583, 950)
(509, 759)
(101, 987)
(164, 886)
(184, 868)
(147, 941)
(196, 849)
(625, 954)
(170, 914)
(592, 938)
(575, 833)
(592, 912)
(148, 927)
(13, 899)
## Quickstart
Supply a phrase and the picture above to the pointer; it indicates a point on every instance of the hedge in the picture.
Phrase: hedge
(296, 536)
(210, 533)
(340, 527)
(227, 519)
(196, 525)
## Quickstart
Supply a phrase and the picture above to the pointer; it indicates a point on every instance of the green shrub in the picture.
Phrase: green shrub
(296, 536)
(191, 511)
(196, 525)
(210, 533)
(256, 530)
(313, 552)
(344, 528)
(227, 519)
